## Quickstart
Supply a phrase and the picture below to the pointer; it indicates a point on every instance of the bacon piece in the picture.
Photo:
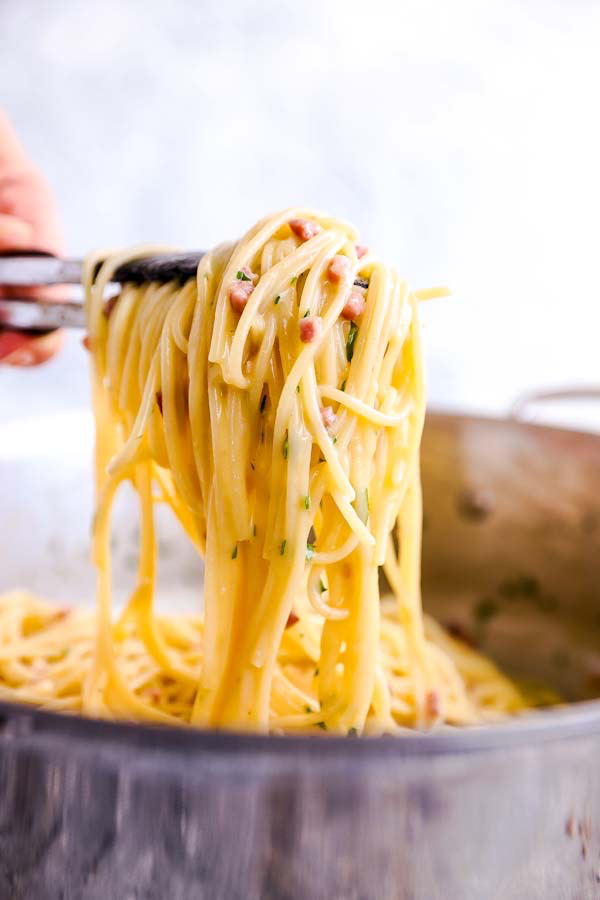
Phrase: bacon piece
(361, 250)
(61, 614)
(328, 416)
(354, 305)
(292, 619)
(338, 269)
(304, 228)
(433, 705)
(110, 305)
(310, 328)
(238, 295)
(247, 271)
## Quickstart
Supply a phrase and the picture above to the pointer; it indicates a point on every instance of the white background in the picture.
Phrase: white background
(462, 136)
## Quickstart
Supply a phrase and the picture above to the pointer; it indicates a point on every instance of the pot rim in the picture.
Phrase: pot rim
(581, 719)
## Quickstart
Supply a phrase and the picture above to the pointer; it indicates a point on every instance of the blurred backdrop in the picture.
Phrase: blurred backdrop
(463, 138)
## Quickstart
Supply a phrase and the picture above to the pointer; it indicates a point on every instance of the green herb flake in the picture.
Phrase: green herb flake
(263, 402)
(351, 340)
(241, 276)
(307, 709)
(334, 439)
(317, 671)
(343, 386)
(297, 388)
(322, 587)
(322, 726)
(234, 552)
(294, 279)
(307, 502)
(310, 551)
(306, 314)
(252, 466)
(352, 732)
(277, 299)
(286, 448)
(282, 547)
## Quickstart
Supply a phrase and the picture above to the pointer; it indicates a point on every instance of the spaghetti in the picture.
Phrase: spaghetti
(277, 409)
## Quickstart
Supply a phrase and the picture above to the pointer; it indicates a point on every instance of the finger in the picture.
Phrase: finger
(22, 350)
(15, 233)
(11, 149)
(25, 194)
(28, 220)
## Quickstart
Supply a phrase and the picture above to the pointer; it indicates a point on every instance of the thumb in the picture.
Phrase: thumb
(15, 233)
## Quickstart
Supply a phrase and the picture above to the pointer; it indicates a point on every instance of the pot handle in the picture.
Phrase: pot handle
(521, 407)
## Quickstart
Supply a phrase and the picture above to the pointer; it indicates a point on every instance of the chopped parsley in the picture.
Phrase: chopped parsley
(252, 466)
(282, 547)
(241, 276)
(297, 388)
(307, 709)
(317, 671)
(277, 299)
(307, 502)
(352, 732)
(286, 448)
(322, 587)
(306, 314)
(294, 279)
(322, 726)
(263, 402)
(234, 552)
(343, 385)
(351, 340)
(310, 551)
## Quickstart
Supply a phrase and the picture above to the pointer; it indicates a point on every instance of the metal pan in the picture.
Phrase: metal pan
(512, 811)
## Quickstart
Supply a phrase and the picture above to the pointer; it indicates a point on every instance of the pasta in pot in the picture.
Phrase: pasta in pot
(277, 407)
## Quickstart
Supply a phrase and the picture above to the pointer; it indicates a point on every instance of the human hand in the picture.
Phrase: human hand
(28, 221)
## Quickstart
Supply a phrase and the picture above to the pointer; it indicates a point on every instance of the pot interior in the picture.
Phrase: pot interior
(511, 545)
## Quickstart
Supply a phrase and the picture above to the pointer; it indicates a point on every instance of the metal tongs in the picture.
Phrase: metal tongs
(38, 314)
(37, 270)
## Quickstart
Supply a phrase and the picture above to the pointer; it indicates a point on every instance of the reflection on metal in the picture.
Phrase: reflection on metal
(511, 551)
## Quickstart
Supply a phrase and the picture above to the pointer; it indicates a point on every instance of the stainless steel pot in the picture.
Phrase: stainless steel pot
(106, 811)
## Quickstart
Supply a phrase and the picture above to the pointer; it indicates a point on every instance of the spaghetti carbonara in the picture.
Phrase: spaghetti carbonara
(276, 404)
